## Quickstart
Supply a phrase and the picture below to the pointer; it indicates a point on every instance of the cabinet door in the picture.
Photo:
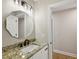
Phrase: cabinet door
(45, 52)
(42, 54)
(38, 55)
(31, 58)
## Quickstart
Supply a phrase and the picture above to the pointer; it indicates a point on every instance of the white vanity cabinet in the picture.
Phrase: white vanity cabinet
(42, 54)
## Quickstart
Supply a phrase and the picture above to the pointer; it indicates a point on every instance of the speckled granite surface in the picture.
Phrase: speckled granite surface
(13, 51)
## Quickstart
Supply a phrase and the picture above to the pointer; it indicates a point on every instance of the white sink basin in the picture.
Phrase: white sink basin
(29, 48)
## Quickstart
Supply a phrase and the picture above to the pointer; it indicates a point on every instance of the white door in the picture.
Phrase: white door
(31, 58)
(42, 54)
(45, 52)
(50, 35)
(50, 42)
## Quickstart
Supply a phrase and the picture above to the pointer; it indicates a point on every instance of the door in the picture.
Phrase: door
(45, 52)
(42, 54)
(50, 35)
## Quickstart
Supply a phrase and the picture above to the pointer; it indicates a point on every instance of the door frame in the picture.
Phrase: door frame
(59, 6)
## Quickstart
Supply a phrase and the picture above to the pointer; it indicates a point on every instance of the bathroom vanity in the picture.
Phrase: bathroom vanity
(20, 25)
(17, 52)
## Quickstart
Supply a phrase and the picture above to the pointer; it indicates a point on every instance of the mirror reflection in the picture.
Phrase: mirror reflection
(19, 24)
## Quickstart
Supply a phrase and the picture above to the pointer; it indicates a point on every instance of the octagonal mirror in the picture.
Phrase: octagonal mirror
(19, 24)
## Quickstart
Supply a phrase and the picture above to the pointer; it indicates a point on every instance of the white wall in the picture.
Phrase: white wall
(65, 31)
(66, 43)
(7, 7)
(41, 19)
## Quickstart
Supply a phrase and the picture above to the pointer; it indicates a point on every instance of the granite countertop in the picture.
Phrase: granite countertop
(13, 52)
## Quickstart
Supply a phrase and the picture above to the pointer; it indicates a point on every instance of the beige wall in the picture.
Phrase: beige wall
(65, 31)
(7, 7)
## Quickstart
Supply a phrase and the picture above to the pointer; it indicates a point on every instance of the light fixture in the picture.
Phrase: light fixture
(24, 4)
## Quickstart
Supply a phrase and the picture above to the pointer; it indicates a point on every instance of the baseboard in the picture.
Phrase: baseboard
(65, 53)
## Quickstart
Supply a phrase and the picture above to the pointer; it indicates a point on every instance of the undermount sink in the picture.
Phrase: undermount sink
(29, 48)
